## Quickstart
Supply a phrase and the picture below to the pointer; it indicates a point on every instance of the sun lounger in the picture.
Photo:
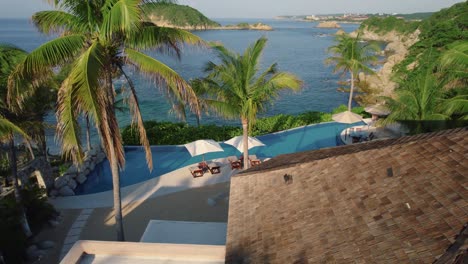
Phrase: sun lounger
(196, 171)
(254, 160)
(214, 168)
(204, 166)
(235, 163)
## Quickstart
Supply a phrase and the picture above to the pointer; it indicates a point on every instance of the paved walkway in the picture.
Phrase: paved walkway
(75, 231)
(175, 181)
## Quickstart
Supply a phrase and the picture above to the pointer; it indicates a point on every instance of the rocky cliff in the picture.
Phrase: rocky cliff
(395, 51)
(328, 24)
(243, 26)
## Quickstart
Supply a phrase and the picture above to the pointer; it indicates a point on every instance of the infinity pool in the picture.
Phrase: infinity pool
(170, 158)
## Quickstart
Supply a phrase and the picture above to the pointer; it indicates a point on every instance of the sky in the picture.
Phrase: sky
(263, 8)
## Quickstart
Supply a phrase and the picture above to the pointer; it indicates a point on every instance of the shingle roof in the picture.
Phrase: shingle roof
(390, 201)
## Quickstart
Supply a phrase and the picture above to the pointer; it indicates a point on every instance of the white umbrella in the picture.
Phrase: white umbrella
(347, 117)
(238, 142)
(379, 110)
(203, 146)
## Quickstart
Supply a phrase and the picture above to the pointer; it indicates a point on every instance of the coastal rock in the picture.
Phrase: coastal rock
(396, 50)
(100, 157)
(72, 170)
(46, 244)
(61, 181)
(54, 223)
(328, 24)
(72, 184)
(54, 193)
(66, 191)
(33, 252)
(340, 32)
(81, 178)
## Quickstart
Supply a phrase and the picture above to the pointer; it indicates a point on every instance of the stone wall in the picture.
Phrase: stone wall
(76, 175)
(39, 168)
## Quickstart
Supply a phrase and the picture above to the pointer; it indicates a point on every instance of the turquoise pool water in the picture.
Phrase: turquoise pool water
(170, 158)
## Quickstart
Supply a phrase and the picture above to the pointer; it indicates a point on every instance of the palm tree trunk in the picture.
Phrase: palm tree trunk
(114, 166)
(117, 197)
(245, 130)
(14, 172)
(88, 134)
(351, 91)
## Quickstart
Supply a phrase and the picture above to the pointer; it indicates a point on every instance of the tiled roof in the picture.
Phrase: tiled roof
(389, 201)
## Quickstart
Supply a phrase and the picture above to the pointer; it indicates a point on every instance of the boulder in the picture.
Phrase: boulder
(61, 181)
(81, 178)
(340, 32)
(72, 184)
(46, 244)
(66, 191)
(91, 167)
(33, 253)
(72, 169)
(100, 157)
(54, 223)
(54, 193)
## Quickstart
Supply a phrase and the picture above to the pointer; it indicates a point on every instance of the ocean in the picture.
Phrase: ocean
(298, 47)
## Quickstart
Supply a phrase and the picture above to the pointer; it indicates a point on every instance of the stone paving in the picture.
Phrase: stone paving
(75, 231)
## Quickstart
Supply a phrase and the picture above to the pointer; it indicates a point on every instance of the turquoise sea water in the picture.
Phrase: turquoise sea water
(296, 46)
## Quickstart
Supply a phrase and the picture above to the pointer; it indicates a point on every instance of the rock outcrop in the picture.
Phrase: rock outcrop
(242, 26)
(328, 24)
(74, 176)
(396, 51)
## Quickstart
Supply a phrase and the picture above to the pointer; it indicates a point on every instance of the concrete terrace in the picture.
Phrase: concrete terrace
(175, 181)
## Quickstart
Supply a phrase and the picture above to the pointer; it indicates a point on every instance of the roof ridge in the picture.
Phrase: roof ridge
(292, 159)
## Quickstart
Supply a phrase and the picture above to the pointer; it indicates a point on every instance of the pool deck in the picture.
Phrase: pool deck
(175, 181)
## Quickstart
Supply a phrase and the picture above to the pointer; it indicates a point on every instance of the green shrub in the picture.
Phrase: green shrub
(167, 133)
(12, 239)
(387, 24)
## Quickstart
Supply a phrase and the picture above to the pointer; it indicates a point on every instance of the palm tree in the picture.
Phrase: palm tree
(351, 56)
(455, 62)
(239, 91)
(101, 38)
(422, 104)
(9, 57)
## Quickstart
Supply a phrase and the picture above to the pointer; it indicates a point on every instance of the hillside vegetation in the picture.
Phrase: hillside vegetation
(180, 16)
(438, 33)
(387, 24)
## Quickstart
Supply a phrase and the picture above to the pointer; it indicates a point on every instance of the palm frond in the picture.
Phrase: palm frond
(68, 130)
(57, 21)
(51, 54)
(177, 88)
(7, 128)
(165, 40)
(120, 17)
(138, 120)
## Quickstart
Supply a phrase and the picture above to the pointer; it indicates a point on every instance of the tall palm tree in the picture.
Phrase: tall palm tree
(9, 57)
(239, 90)
(421, 104)
(101, 38)
(455, 62)
(351, 56)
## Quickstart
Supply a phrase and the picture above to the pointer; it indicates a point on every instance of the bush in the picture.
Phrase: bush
(167, 133)
(13, 242)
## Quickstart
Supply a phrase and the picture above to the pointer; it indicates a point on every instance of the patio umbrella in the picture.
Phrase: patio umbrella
(238, 142)
(202, 146)
(379, 110)
(347, 117)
